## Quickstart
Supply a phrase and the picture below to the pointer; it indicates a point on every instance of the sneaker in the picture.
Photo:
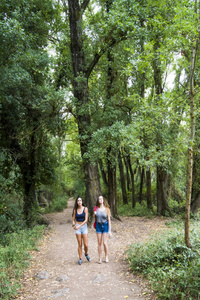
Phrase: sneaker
(107, 260)
(88, 258)
(80, 261)
(99, 261)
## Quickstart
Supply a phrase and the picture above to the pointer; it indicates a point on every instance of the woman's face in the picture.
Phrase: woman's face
(79, 201)
(101, 199)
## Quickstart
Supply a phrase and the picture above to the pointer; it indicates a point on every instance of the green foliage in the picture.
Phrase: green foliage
(177, 207)
(29, 105)
(72, 162)
(11, 217)
(57, 205)
(54, 196)
(172, 269)
(140, 210)
(15, 257)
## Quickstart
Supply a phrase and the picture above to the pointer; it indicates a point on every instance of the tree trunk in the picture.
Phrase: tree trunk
(196, 203)
(195, 199)
(30, 202)
(81, 94)
(28, 169)
(122, 179)
(190, 149)
(112, 184)
(132, 181)
(127, 174)
(112, 181)
(163, 181)
(141, 185)
(92, 186)
(163, 186)
(148, 181)
(103, 173)
(142, 75)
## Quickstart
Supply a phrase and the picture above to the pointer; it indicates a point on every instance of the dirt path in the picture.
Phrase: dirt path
(57, 256)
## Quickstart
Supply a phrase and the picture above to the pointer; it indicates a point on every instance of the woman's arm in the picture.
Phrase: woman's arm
(73, 219)
(109, 223)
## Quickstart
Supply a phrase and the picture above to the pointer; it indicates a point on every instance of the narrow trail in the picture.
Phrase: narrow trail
(65, 279)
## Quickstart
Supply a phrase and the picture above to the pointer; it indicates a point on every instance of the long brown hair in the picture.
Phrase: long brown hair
(105, 202)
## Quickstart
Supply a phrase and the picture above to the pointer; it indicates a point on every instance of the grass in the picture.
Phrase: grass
(172, 269)
(17, 241)
(15, 257)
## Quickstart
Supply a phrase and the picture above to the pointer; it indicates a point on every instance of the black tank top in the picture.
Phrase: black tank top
(80, 217)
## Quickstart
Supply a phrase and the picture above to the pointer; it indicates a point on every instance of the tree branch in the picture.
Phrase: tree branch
(84, 5)
(97, 56)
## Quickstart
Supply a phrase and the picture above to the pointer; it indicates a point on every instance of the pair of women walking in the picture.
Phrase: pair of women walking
(103, 226)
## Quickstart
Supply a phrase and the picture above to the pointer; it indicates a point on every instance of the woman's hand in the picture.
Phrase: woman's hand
(109, 233)
(77, 227)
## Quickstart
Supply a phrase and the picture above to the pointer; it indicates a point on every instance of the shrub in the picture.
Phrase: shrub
(57, 205)
(15, 257)
(139, 210)
(11, 218)
(172, 269)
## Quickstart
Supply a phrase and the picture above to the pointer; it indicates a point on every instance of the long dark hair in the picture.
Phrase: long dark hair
(76, 204)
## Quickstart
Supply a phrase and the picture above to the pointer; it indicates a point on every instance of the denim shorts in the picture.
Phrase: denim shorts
(102, 227)
(82, 230)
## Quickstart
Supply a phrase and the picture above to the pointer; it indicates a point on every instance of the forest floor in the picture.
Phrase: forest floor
(56, 261)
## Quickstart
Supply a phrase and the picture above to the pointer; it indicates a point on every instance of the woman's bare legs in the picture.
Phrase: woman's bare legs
(105, 245)
(79, 239)
(85, 243)
(99, 240)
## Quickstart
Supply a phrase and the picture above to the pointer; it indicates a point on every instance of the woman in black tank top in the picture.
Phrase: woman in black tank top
(79, 223)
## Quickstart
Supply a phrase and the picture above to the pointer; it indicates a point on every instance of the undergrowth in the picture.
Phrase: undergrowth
(139, 210)
(57, 205)
(15, 257)
(172, 269)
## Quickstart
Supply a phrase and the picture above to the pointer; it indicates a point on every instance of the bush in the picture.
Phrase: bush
(139, 210)
(172, 269)
(57, 205)
(11, 218)
(15, 257)
(177, 207)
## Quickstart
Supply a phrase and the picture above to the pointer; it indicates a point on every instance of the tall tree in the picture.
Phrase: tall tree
(26, 107)
(81, 74)
(192, 134)
(86, 52)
